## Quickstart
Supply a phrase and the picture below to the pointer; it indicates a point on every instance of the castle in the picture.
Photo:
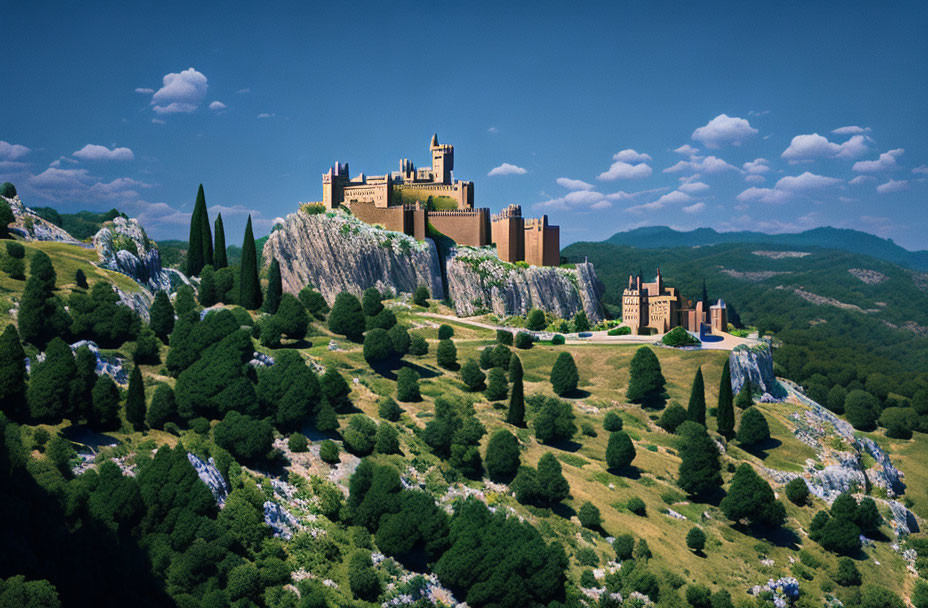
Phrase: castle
(654, 306)
(410, 200)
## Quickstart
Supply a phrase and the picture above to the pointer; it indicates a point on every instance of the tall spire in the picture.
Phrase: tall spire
(434, 143)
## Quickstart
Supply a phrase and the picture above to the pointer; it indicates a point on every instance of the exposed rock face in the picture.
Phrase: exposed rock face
(210, 475)
(124, 247)
(337, 252)
(478, 281)
(110, 365)
(755, 363)
(33, 228)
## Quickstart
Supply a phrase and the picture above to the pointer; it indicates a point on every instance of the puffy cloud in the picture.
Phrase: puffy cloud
(243, 91)
(893, 185)
(764, 195)
(886, 162)
(217, 105)
(180, 93)
(923, 169)
(753, 178)
(573, 184)
(671, 198)
(806, 182)
(861, 179)
(144, 90)
(687, 150)
(724, 130)
(507, 169)
(693, 187)
(493, 130)
(709, 164)
(694, 208)
(95, 152)
(158, 121)
(851, 130)
(10, 151)
(266, 115)
(756, 166)
(623, 170)
(584, 200)
(809, 147)
(631, 156)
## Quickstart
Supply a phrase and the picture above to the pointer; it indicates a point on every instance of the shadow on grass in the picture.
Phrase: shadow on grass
(85, 435)
(568, 445)
(388, 369)
(630, 472)
(562, 510)
(762, 449)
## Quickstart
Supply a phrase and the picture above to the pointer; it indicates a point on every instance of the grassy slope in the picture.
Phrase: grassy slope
(66, 259)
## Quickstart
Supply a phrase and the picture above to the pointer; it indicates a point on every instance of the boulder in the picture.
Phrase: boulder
(755, 363)
(124, 247)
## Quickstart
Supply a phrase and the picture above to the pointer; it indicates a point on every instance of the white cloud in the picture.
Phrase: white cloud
(266, 115)
(217, 105)
(10, 151)
(806, 182)
(724, 130)
(623, 170)
(753, 178)
(861, 179)
(573, 184)
(631, 156)
(492, 130)
(158, 121)
(756, 166)
(95, 152)
(687, 150)
(886, 161)
(709, 164)
(144, 90)
(893, 185)
(507, 169)
(694, 208)
(243, 91)
(809, 147)
(923, 169)
(764, 195)
(181, 92)
(851, 130)
(693, 187)
(671, 198)
(585, 200)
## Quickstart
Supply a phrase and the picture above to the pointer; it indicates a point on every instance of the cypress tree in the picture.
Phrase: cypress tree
(564, 375)
(700, 470)
(81, 390)
(196, 248)
(725, 416)
(274, 288)
(516, 414)
(219, 249)
(135, 400)
(646, 382)
(206, 294)
(249, 295)
(162, 316)
(746, 396)
(697, 406)
(36, 306)
(12, 374)
(50, 383)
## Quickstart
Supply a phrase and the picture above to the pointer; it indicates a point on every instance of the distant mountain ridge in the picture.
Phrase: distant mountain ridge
(853, 241)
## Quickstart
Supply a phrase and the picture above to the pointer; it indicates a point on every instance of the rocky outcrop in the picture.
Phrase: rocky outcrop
(335, 252)
(124, 247)
(755, 363)
(210, 475)
(478, 282)
(32, 227)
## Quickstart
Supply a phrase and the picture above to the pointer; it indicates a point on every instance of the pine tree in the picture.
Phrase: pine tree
(50, 383)
(497, 387)
(347, 317)
(697, 406)
(753, 428)
(516, 414)
(135, 400)
(751, 498)
(564, 375)
(746, 396)
(12, 374)
(249, 295)
(274, 288)
(326, 421)
(646, 382)
(502, 456)
(620, 452)
(37, 305)
(700, 470)
(81, 389)
(163, 407)
(162, 316)
(553, 487)
(200, 243)
(219, 248)
(206, 294)
(105, 403)
(725, 415)
(407, 385)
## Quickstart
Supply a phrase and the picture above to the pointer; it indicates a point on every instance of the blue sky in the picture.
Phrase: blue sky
(767, 116)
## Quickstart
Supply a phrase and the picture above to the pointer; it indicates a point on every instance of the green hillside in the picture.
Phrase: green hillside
(852, 241)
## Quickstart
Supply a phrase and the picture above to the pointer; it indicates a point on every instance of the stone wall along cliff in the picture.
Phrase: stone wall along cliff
(478, 281)
(335, 252)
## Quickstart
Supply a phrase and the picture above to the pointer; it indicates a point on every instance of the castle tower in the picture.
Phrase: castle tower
(508, 232)
(442, 161)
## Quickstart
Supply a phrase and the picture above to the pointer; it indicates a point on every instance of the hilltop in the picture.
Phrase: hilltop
(852, 241)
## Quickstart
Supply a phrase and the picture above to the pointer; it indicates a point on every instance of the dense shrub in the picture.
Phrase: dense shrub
(797, 491)
(360, 435)
(407, 385)
(589, 516)
(636, 506)
(554, 420)
(612, 422)
(899, 422)
(535, 320)
(620, 451)
(445, 332)
(297, 442)
(386, 441)
(328, 451)
(377, 346)
(418, 345)
(497, 386)
(447, 355)
(564, 375)
(420, 297)
(700, 471)
(502, 456)
(347, 317)
(244, 437)
(524, 340)
(504, 336)
(624, 546)
(314, 302)
(646, 382)
(696, 539)
(751, 498)
(846, 573)
(387, 409)
(672, 417)
(861, 409)
(679, 337)
(753, 429)
(471, 375)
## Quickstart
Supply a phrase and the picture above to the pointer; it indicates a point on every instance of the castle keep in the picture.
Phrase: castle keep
(411, 199)
(654, 306)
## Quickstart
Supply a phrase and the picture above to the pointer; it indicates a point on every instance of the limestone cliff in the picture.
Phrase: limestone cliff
(478, 281)
(32, 227)
(337, 252)
(755, 363)
(124, 247)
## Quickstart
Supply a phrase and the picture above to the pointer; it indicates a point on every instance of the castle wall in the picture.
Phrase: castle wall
(465, 227)
(461, 192)
(542, 243)
(391, 218)
(378, 194)
(509, 235)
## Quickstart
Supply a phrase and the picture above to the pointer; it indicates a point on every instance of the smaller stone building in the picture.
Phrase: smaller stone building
(655, 308)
